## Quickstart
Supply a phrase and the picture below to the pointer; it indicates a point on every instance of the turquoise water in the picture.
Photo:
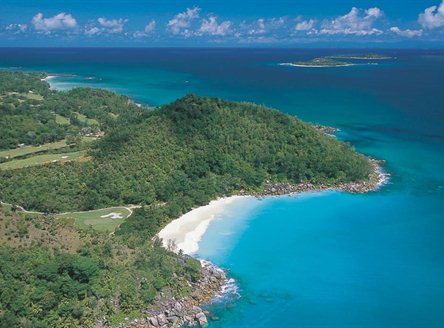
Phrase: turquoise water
(314, 260)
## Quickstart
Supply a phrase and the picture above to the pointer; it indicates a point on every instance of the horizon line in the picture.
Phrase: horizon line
(223, 47)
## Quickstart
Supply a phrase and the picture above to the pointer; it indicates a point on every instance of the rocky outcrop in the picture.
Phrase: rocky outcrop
(169, 312)
(375, 179)
(326, 129)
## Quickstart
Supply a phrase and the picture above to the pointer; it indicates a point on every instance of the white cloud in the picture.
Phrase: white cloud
(211, 27)
(305, 25)
(92, 30)
(406, 33)
(57, 22)
(106, 26)
(112, 25)
(258, 28)
(185, 24)
(356, 22)
(263, 30)
(432, 17)
(262, 26)
(180, 24)
(16, 28)
(374, 12)
(149, 29)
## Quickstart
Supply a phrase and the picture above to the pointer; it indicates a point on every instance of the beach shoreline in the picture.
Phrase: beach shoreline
(48, 79)
(184, 233)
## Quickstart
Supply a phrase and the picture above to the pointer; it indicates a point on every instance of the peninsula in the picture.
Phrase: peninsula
(144, 167)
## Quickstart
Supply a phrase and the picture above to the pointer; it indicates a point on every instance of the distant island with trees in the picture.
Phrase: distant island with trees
(337, 60)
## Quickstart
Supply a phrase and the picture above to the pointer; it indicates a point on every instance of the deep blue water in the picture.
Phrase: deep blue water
(315, 260)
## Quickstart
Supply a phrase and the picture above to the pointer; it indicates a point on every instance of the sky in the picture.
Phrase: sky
(227, 23)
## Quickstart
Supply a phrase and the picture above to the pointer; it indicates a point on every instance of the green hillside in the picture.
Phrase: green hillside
(52, 275)
(187, 153)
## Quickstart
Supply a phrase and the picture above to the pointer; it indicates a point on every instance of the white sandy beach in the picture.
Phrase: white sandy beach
(187, 231)
(315, 66)
(49, 77)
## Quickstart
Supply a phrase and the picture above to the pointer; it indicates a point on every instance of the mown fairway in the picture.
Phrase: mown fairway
(106, 219)
(43, 159)
(17, 152)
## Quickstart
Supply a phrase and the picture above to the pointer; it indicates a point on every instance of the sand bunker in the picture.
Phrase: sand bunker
(112, 216)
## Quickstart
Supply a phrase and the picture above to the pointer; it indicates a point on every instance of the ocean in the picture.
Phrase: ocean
(326, 259)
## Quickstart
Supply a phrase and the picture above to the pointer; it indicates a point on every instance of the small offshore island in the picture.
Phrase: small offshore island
(74, 162)
(332, 61)
(319, 62)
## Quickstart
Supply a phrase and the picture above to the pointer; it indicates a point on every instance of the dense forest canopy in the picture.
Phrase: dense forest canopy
(31, 113)
(194, 149)
(45, 282)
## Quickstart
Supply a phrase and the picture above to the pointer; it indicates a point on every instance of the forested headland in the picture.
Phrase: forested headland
(167, 160)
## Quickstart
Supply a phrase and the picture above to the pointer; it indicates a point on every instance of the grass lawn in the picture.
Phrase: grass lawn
(11, 153)
(62, 120)
(42, 159)
(33, 96)
(88, 121)
(27, 95)
(106, 219)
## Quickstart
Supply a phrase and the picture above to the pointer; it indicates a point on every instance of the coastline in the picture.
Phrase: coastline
(48, 79)
(184, 234)
(376, 179)
(168, 311)
(53, 85)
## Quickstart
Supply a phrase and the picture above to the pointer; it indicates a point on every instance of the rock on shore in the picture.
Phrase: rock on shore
(375, 179)
(169, 312)
(326, 129)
